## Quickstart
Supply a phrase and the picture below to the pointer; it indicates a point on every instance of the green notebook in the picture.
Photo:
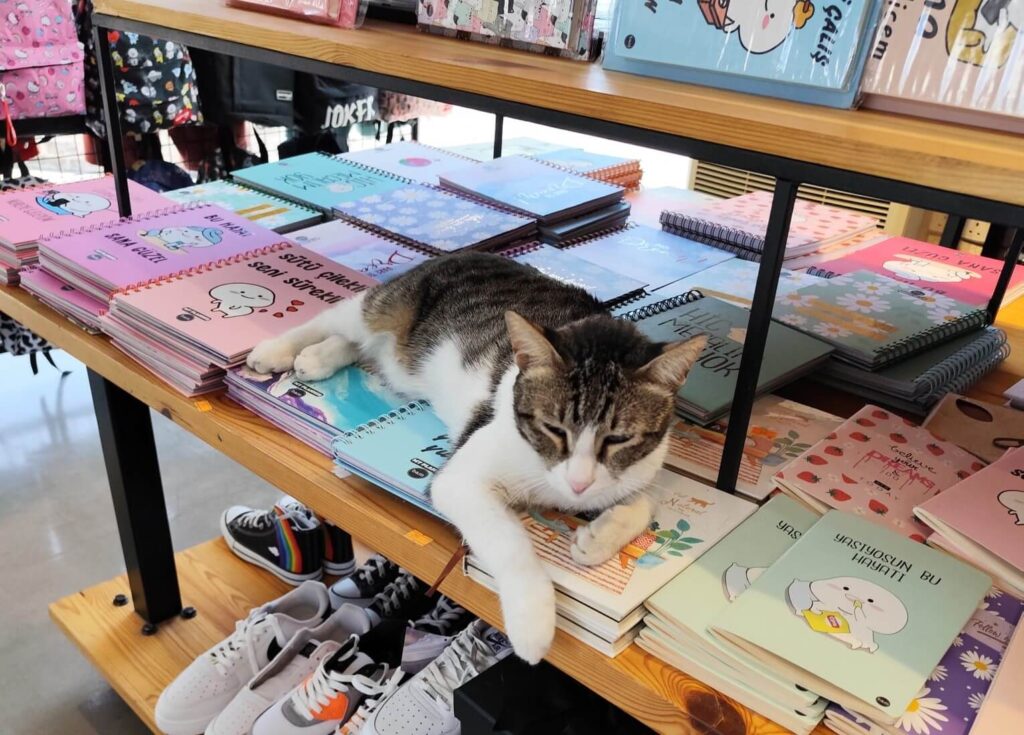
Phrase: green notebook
(855, 612)
(709, 388)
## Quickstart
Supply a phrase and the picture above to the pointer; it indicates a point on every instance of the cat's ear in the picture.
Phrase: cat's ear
(532, 349)
(671, 367)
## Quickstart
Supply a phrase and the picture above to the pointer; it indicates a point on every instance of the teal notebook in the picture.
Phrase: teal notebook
(256, 206)
(874, 321)
(707, 393)
(318, 180)
(855, 612)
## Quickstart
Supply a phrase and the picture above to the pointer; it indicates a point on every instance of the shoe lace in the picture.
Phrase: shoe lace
(319, 690)
(226, 653)
(445, 616)
(387, 686)
(374, 568)
(389, 601)
(454, 667)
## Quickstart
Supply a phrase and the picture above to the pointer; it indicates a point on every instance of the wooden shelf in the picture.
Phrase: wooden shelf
(930, 153)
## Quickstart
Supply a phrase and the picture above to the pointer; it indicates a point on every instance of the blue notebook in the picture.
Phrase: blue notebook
(536, 189)
(435, 219)
(654, 257)
(256, 206)
(366, 252)
(608, 287)
(318, 180)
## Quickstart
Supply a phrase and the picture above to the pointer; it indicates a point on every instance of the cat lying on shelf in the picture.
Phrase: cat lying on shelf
(554, 404)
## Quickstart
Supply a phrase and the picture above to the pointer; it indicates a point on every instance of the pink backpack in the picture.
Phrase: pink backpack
(41, 61)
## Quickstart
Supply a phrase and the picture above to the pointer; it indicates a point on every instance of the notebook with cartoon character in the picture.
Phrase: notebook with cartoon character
(264, 209)
(856, 613)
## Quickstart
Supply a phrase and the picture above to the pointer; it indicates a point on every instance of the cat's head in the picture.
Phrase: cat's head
(595, 399)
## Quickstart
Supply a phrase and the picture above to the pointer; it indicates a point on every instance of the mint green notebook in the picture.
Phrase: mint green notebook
(857, 613)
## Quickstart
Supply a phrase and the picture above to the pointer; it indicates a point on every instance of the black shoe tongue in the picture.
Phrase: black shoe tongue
(341, 658)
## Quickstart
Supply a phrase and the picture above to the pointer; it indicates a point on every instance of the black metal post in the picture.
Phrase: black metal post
(414, 129)
(1009, 263)
(499, 134)
(115, 141)
(129, 452)
(756, 340)
(952, 231)
(996, 240)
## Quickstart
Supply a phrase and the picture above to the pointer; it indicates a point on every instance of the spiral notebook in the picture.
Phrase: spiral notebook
(128, 253)
(708, 391)
(378, 257)
(410, 160)
(68, 300)
(874, 321)
(264, 209)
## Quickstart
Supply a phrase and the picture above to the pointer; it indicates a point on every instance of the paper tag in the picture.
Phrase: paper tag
(204, 406)
(418, 538)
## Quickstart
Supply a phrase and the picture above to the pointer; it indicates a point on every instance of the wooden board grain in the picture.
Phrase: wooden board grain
(941, 155)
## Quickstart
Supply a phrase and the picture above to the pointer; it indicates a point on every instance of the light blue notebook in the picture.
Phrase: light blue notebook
(608, 287)
(257, 206)
(655, 257)
(317, 180)
(400, 450)
(344, 243)
(585, 162)
(439, 220)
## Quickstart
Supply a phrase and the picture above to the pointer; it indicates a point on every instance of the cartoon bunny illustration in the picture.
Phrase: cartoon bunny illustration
(849, 609)
(240, 299)
(1013, 501)
(72, 203)
(760, 25)
(912, 268)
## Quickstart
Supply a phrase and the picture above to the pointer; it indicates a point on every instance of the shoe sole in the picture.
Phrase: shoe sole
(243, 552)
(339, 569)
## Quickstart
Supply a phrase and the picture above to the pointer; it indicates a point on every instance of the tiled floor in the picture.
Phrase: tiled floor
(57, 535)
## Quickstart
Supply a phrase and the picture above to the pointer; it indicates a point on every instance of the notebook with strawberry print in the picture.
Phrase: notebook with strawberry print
(877, 465)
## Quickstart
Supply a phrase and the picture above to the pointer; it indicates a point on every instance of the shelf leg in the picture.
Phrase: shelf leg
(996, 240)
(129, 452)
(499, 134)
(1009, 263)
(757, 332)
(952, 232)
(115, 141)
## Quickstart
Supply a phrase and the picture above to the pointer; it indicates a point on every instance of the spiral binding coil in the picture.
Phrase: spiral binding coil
(740, 252)
(947, 372)
(693, 225)
(417, 406)
(970, 376)
(514, 251)
(612, 170)
(661, 307)
(391, 237)
(151, 214)
(934, 335)
(821, 272)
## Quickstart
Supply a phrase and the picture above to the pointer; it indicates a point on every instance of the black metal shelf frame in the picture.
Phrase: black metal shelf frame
(788, 173)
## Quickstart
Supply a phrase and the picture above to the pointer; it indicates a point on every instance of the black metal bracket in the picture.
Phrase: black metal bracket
(115, 140)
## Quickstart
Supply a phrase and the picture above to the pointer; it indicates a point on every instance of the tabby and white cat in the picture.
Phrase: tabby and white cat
(551, 402)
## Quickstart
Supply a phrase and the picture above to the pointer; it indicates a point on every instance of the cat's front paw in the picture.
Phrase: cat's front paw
(528, 606)
(603, 538)
(322, 360)
(274, 355)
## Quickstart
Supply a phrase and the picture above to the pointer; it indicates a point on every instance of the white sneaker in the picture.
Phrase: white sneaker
(299, 659)
(329, 697)
(426, 638)
(208, 684)
(370, 704)
(424, 704)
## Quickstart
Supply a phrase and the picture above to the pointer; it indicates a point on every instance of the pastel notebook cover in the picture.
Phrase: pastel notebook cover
(689, 519)
(986, 509)
(360, 250)
(710, 385)
(985, 429)
(263, 209)
(433, 218)
(606, 286)
(228, 309)
(949, 702)
(878, 465)
(409, 159)
(734, 280)
(651, 256)
(519, 146)
(953, 273)
(44, 286)
(743, 221)
(1001, 711)
(587, 163)
(29, 215)
(873, 320)
(531, 187)
(148, 247)
(648, 203)
(317, 179)
(856, 613)
(779, 432)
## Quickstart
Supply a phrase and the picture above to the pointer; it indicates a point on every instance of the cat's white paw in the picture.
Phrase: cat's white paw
(590, 548)
(274, 355)
(323, 359)
(528, 605)
(602, 538)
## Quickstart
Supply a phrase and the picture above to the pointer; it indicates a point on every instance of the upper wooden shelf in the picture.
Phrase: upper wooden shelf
(941, 155)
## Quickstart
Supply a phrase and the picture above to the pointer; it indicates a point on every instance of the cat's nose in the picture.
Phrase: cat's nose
(580, 486)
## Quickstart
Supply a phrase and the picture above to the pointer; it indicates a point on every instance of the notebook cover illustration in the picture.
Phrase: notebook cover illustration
(954, 273)
(434, 218)
(857, 612)
(605, 285)
(779, 432)
(878, 465)
(318, 180)
(654, 257)
(873, 320)
(31, 214)
(709, 387)
(409, 159)
(984, 429)
(263, 209)
(363, 251)
(1000, 712)
(228, 309)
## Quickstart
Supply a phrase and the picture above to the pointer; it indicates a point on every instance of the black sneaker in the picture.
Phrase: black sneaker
(403, 599)
(286, 540)
(428, 636)
(339, 558)
(365, 583)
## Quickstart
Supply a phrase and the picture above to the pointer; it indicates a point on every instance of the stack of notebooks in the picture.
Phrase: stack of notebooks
(79, 307)
(264, 209)
(603, 605)
(739, 225)
(367, 252)
(29, 215)
(624, 172)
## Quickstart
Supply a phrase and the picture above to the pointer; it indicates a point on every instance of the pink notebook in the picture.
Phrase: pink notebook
(226, 309)
(880, 466)
(63, 297)
(959, 275)
(1003, 708)
(130, 253)
(43, 211)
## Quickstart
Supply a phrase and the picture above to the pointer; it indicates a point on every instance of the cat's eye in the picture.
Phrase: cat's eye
(613, 439)
(556, 430)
